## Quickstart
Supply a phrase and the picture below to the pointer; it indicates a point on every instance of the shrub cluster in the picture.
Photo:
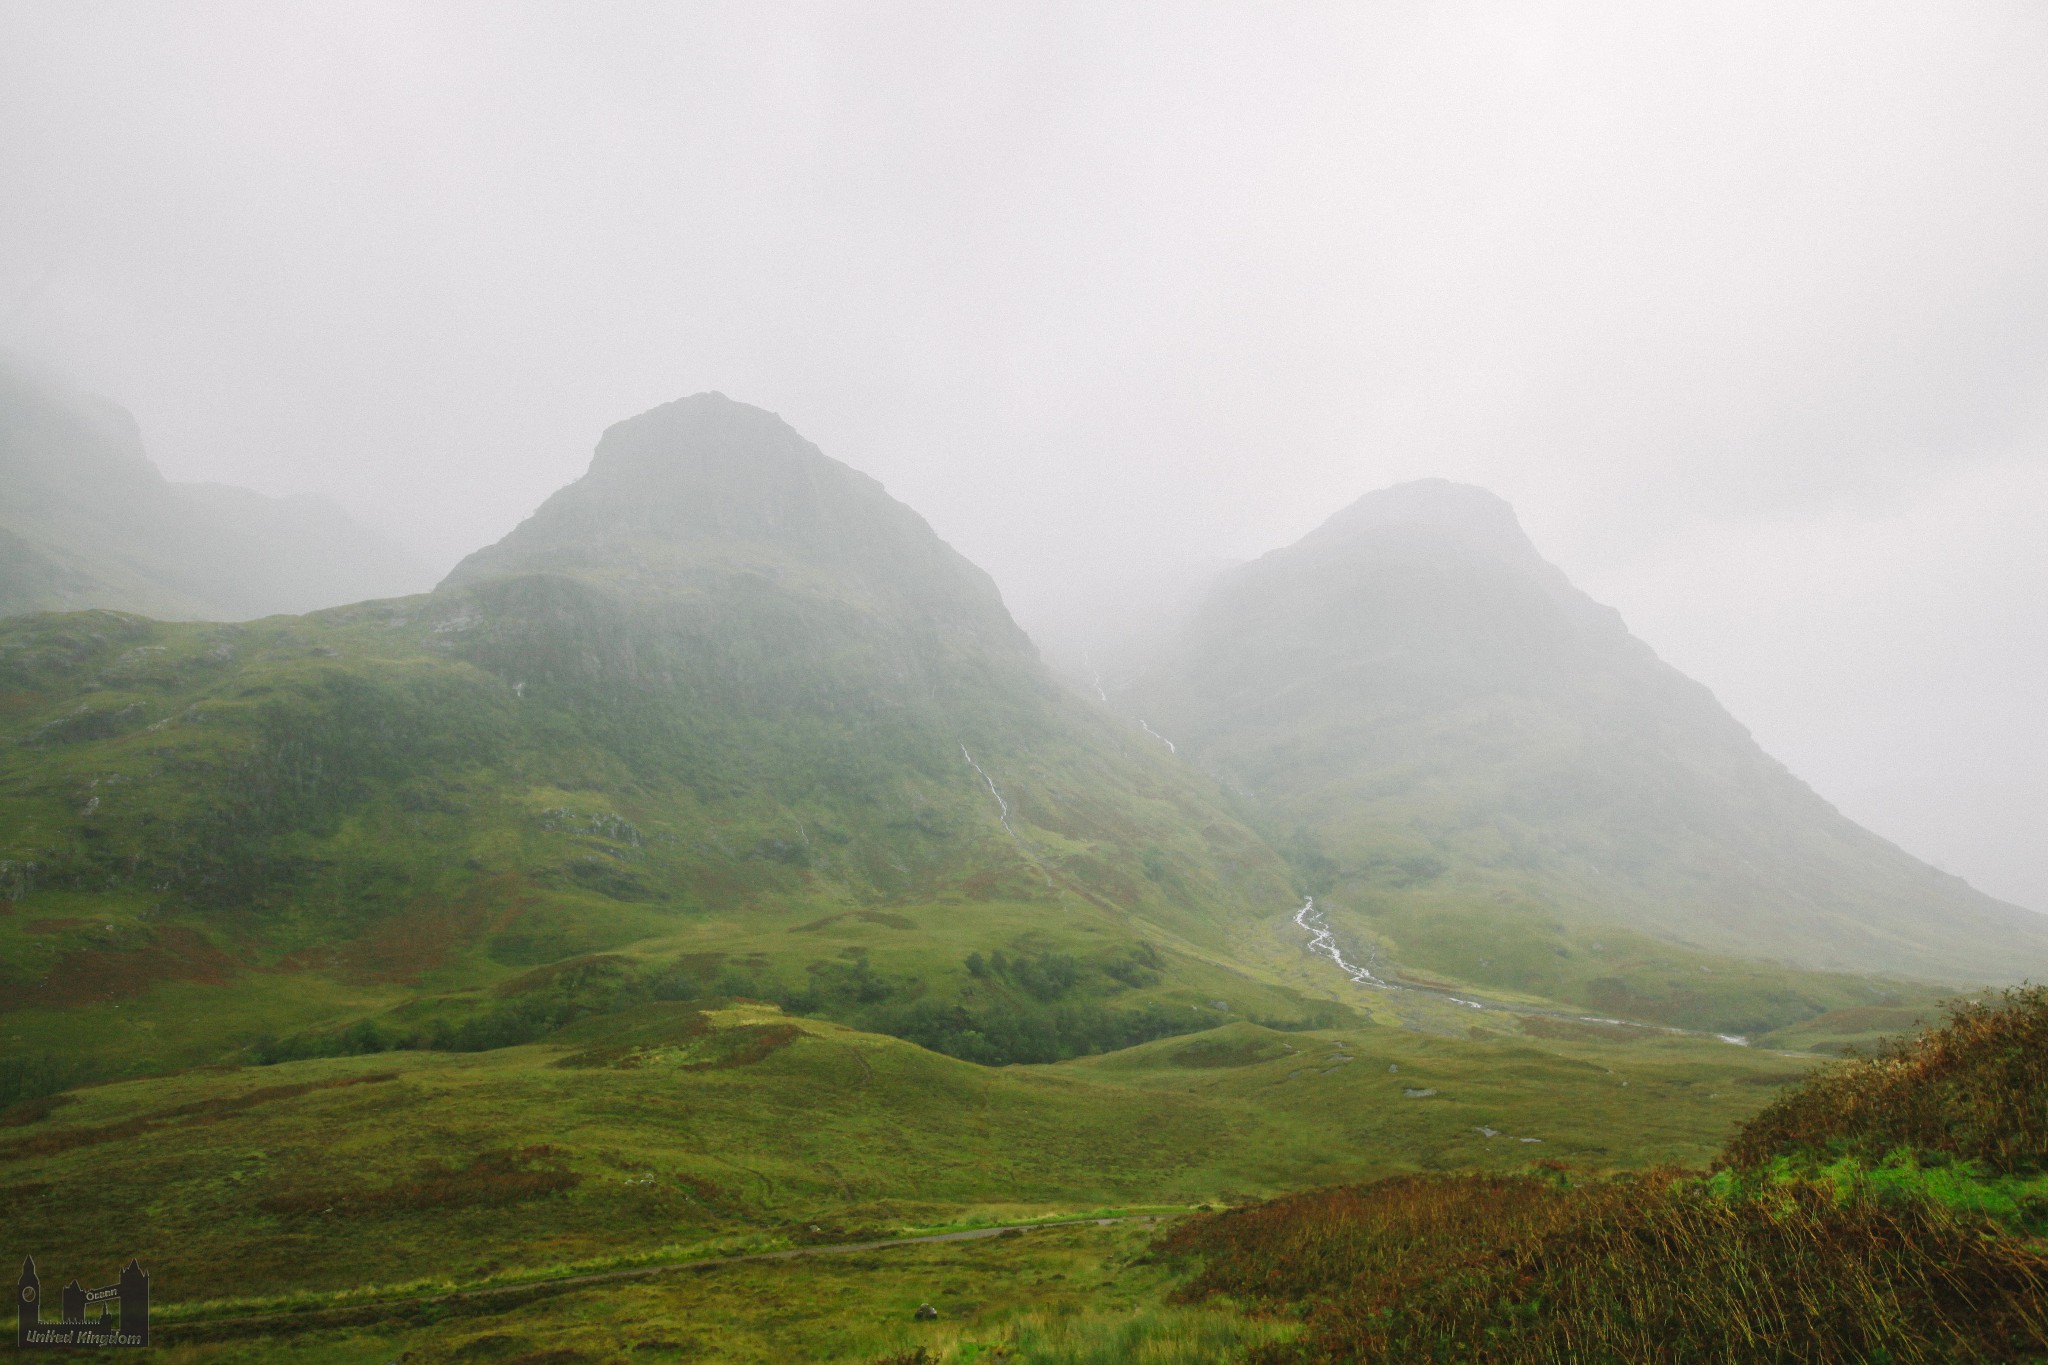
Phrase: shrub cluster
(1776, 1259)
(1644, 1269)
(1974, 1089)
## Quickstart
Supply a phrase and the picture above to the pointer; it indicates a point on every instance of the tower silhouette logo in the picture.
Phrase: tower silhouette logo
(120, 1312)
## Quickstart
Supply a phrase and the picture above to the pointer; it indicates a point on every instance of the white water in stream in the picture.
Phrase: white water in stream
(1322, 941)
(1003, 814)
(1161, 738)
(1002, 806)
(1095, 677)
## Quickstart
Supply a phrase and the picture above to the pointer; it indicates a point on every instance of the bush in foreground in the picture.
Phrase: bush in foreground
(1650, 1268)
(1878, 1213)
(1974, 1089)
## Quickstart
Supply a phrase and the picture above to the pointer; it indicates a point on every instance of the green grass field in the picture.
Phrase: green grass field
(667, 1134)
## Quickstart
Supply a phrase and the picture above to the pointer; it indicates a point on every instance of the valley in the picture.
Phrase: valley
(712, 868)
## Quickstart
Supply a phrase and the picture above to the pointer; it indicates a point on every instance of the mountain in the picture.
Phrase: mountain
(721, 718)
(87, 521)
(1500, 783)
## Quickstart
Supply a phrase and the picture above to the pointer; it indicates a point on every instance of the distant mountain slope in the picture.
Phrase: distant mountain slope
(87, 521)
(722, 705)
(1455, 742)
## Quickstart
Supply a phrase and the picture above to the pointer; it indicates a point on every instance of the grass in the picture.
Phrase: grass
(1799, 1247)
(221, 842)
(340, 1173)
(1646, 1268)
(1472, 1253)
(1065, 1287)
(1166, 1335)
(1975, 1089)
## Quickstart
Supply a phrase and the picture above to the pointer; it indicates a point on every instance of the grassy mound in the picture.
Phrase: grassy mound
(1878, 1212)
(1481, 1268)
(1975, 1089)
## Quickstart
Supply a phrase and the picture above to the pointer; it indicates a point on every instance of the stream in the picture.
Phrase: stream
(1322, 942)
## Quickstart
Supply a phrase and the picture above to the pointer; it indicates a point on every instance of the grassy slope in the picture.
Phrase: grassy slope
(1890, 1208)
(212, 833)
(1492, 776)
(651, 1134)
(1086, 1286)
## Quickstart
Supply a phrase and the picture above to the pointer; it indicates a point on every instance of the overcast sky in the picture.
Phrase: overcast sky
(1744, 306)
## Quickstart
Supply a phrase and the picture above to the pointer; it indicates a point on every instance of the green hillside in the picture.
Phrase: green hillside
(721, 719)
(87, 521)
(1485, 776)
(711, 867)
(671, 1134)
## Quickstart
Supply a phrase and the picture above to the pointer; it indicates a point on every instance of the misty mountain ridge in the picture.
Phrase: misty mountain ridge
(705, 487)
(86, 520)
(1438, 726)
(722, 688)
(717, 690)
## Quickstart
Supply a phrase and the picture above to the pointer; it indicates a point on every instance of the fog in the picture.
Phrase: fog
(1745, 307)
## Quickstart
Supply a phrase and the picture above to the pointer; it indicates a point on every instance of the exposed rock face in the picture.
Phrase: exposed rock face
(1431, 710)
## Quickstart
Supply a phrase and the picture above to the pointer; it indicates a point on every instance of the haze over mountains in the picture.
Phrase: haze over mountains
(723, 689)
(720, 687)
(1441, 728)
(87, 521)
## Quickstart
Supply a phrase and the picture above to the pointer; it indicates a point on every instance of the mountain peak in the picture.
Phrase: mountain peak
(696, 490)
(1429, 510)
(699, 474)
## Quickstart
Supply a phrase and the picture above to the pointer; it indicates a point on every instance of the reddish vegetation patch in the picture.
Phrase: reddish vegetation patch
(1973, 1088)
(1612, 995)
(493, 1179)
(306, 960)
(748, 1044)
(1013, 883)
(1863, 1019)
(55, 926)
(84, 976)
(622, 1055)
(6, 907)
(198, 1111)
(715, 885)
(704, 1190)
(733, 1047)
(32, 1111)
(881, 917)
(14, 703)
(554, 971)
(1583, 1030)
(406, 946)
(1493, 1269)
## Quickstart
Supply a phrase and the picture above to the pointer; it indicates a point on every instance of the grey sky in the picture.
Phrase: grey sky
(1745, 306)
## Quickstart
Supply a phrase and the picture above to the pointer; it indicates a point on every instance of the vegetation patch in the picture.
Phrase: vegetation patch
(198, 1111)
(1975, 1089)
(1645, 1268)
(1885, 1210)
(86, 975)
(1583, 1030)
(884, 918)
(492, 1179)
